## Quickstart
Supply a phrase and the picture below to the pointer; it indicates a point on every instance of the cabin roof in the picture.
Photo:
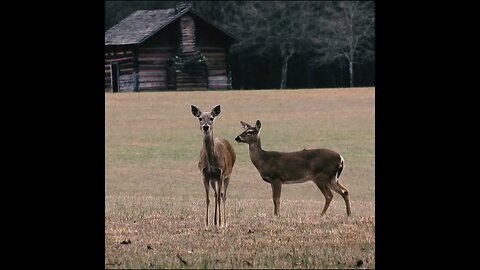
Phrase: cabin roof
(142, 24)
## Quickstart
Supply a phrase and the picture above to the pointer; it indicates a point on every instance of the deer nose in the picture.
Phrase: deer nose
(205, 128)
(238, 139)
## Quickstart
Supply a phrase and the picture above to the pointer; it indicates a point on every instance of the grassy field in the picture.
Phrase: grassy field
(155, 199)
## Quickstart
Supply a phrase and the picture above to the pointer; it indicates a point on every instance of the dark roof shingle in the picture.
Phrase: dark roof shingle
(138, 26)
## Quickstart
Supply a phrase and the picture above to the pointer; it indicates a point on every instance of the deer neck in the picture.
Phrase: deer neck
(208, 146)
(256, 152)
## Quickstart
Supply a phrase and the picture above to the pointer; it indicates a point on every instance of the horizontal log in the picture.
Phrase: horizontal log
(129, 54)
(108, 61)
(157, 49)
(191, 85)
(124, 52)
(217, 72)
(154, 58)
(191, 79)
(218, 84)
(162, 63)
(214, 54)
(191, 72)
(155, 72)
(191, 69)
(215, 57)
(152, 89)
(156, 52)
(152, 79)
(217, 77)
(152, 66)
(222, 83)
(149, 85)
(125, 71)
(118, 53)
(218, 81)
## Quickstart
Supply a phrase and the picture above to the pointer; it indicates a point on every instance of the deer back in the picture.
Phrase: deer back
(298, 165)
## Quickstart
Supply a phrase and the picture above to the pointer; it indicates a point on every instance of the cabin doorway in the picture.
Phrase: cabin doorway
(114, 77)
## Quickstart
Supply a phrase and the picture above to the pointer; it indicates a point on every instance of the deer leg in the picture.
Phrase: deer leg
(214, 186)
(207, 189)
(224, 198)
(327, 193)
(219, 198)
(276, 192)
(337, 187)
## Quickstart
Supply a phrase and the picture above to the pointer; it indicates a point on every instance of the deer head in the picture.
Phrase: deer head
(250, 134)
(206, 119)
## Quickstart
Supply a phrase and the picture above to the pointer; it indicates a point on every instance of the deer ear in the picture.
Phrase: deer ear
(195, 111)
(216, 111)
(244, 125)
(258, 124)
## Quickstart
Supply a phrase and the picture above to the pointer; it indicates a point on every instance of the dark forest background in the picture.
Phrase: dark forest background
(286, 44)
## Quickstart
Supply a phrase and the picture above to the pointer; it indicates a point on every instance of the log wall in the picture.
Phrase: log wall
(125, 62)
(217, 67)
(153, 68)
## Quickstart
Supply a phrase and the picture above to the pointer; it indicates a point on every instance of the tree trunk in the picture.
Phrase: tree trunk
(283, 83)
(351, 72)
(287, 51)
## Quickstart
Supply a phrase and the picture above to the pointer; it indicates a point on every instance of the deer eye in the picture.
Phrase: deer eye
(249, 132)
(199, 118)
(211, 118)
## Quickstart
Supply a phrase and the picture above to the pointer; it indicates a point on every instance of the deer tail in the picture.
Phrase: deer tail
(340, 166)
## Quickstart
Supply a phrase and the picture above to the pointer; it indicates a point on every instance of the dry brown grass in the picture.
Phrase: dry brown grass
(155, 200)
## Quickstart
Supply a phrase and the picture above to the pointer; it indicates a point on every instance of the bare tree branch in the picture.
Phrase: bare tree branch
(347, 30)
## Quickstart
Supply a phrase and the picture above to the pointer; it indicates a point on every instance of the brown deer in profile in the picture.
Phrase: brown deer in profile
(217, 158)
(322, 166)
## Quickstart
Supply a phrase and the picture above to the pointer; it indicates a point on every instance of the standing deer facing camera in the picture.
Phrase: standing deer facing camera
(216, 162)
(322, 166)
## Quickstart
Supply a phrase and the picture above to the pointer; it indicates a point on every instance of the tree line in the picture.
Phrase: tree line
(286, 44)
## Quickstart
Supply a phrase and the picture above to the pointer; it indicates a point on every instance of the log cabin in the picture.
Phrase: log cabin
(168, 49)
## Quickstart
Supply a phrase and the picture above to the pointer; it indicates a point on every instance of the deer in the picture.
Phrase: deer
(217, 158)
(322, 166)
